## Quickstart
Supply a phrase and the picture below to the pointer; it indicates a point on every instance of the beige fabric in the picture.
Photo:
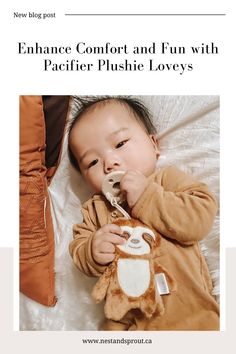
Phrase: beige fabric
(182, 211)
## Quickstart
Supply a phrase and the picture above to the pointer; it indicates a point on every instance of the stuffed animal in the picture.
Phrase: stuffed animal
(130, 282)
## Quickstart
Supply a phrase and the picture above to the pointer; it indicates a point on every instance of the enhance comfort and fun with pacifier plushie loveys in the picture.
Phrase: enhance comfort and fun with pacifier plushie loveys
(134, 280)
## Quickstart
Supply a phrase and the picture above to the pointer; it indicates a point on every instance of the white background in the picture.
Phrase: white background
(212, 75)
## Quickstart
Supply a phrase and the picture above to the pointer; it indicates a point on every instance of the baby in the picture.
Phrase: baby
(117, 134)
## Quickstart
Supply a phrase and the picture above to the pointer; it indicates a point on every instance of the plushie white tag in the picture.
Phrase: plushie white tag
(161, 284)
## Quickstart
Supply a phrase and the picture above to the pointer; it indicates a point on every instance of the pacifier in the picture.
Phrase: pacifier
(111, 186)
(111, 190)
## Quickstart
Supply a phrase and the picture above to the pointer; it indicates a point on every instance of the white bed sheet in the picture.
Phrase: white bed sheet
(188, 131)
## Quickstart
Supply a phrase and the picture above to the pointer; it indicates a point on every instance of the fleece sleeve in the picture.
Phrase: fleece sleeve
(81, 246)
(177, 206)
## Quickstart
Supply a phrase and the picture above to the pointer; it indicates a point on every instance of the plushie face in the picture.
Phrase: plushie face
(137, 240)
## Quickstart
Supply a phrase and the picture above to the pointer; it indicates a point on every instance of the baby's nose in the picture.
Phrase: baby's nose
(111, 164)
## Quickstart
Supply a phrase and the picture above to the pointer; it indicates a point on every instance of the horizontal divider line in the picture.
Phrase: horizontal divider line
(145, 14)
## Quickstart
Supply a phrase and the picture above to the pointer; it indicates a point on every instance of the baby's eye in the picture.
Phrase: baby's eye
(93, 163)
(121, 144)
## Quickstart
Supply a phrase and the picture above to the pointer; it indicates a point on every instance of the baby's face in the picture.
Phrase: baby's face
(108, 138)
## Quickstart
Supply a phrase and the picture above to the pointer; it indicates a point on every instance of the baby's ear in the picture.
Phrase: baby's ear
(155, 143)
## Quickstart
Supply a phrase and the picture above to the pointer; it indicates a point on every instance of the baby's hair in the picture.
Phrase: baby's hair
(82, 104)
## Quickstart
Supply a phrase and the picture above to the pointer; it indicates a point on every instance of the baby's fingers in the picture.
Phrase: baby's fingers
(108, 247)
(112, 228)
(105, 258)
(115, 239)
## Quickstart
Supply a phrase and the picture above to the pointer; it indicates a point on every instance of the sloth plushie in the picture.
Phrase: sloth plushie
(129, 282)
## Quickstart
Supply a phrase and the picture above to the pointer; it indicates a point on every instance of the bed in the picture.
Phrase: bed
(188, 134)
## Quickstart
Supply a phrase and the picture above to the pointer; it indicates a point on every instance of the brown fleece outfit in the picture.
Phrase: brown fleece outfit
(182, 210)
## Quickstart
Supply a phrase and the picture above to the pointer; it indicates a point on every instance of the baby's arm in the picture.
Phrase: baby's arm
(93, 248)
(178, 207)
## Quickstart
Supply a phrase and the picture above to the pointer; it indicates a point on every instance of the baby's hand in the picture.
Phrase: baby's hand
(104, 241)
(133, 183)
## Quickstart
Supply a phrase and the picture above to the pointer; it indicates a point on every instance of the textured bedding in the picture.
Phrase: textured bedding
(188, 131)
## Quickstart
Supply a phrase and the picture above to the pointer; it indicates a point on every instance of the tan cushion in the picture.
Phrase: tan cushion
(37, 278)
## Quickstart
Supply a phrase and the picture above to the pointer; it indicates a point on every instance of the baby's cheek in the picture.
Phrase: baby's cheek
(94, 179)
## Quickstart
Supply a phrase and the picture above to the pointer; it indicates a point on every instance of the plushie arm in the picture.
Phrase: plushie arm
(100, 289)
